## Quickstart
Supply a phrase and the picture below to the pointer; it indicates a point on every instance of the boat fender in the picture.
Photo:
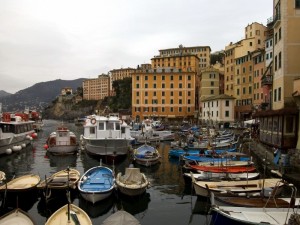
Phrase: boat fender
(8, 151)
(23, 145)
(46, 146)
(93, 121)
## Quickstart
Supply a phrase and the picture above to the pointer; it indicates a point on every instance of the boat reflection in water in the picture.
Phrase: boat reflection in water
(47, 208)
(100, 208)
(133, 205)
(61, 162)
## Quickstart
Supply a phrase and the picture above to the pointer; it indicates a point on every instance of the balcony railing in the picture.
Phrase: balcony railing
(267, 80)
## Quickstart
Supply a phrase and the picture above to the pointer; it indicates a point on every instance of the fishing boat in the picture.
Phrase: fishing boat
(146, 155)
(62, 141)
(22, 184)
(255, 187)
(121, 217)
(36, 117)
(133, 182)
(69, 214)
(272, 201)
(107, 137)
(17, 216)
(16, 132)
(61, 180)
(97, 184)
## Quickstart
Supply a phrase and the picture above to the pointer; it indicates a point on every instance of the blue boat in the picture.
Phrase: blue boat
(97, 184)
(146, 155)
(177, 153)
(216, 158)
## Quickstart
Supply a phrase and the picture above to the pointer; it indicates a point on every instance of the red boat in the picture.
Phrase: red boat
(224, 168)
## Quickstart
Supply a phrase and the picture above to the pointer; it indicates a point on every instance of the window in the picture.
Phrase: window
(163, 85)
(212, 83)
(137, 101)
(211, 92)
(101, 126)
(154, 85)
(279, 94)
(154, 93)
(146, 93)
(92, 130)
(279, 60)
(171, 77)
(137, 93)
(180, 85)
(146, 101)
(171, 93)
(227, 103)
(137, 86)
(162, 93)
(226, 113)
(172, 85)
(163, 77)
(275, 95)
(146, 77)
(289, 124)
(297, 4)
(180, 101)
(180, 93)
(180, 77)
(146, 85)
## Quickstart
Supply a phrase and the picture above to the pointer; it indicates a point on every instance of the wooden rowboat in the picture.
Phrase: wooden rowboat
(17, 216)
(22, 183)
(223, 168)
(69, 214)
(238, 188)
(133, 182)
(63, 179)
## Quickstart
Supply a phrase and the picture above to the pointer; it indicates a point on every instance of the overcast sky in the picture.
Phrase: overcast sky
(43, 40)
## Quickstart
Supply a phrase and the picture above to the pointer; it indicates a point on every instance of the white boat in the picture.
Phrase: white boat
(17, 216)
(96, 184)
(16, 132)
(202, 175)
(36, 117)
(62, 141)
(238, 188)
(133, 182)
(146, 155)
(146, 133)
(69, 214)
(121, 217)
(107, 136)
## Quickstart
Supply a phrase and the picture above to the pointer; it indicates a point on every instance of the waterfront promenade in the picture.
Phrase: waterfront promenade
(288, 165)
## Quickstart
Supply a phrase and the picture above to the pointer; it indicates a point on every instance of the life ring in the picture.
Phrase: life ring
(93, 121)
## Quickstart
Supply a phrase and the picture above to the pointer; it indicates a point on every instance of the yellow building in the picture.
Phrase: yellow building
(119, 74)
(278, 126)
(203, 53)
(239, 69)
(96, 89)
(167, 90)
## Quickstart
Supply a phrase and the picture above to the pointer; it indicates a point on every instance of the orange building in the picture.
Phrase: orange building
(96, 89)
(167, 90)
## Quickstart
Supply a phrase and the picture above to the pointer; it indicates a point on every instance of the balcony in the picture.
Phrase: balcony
(277, 19)
(267, 80)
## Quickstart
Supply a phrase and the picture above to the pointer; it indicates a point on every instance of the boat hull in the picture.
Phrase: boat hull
(9, 144)
(63, 149)
(103, 147)
(250, 216)
(96, 184)
(61, 216)
(17, 216)
(238, 188)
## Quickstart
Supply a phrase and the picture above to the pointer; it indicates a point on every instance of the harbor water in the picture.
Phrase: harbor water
(168, 201)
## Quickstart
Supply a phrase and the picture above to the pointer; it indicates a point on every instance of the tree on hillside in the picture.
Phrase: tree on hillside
(122, 98)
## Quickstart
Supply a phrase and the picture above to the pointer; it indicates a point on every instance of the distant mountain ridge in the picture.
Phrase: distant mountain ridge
(42, 93)
(4, 93)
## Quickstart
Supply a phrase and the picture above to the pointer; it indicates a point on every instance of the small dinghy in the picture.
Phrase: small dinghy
(17, 216)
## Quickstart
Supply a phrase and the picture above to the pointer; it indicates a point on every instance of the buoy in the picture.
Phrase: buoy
(46, 146)
(34, 135)
(16, 148)
(8, 151)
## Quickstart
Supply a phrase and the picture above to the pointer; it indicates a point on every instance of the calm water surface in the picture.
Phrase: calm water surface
(167, 201)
